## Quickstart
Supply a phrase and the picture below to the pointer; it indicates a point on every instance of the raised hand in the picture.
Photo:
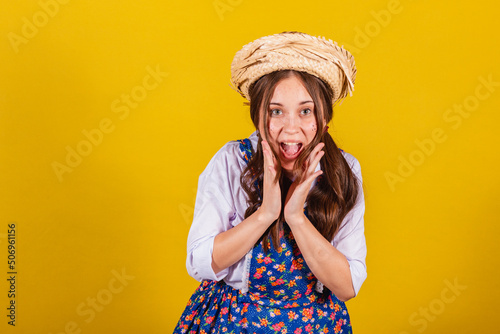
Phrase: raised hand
(297, 194)
(271, 201)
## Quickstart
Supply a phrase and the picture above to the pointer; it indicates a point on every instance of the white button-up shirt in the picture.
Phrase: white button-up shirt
(221, 204)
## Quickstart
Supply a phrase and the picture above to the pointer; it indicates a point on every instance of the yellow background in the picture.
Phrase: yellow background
(126, 206)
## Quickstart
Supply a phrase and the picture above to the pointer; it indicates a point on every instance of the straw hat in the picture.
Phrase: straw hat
(295, 51)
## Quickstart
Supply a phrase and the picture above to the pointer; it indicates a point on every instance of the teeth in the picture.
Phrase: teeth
(291, 143)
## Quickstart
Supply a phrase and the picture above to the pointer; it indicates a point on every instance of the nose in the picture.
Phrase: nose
(291, 124)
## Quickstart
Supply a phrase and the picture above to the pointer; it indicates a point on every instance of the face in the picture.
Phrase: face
(291, 120)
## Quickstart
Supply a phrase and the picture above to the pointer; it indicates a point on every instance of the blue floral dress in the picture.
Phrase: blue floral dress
(281, 296)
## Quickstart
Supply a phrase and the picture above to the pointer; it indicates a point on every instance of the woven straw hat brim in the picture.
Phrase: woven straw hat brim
(295, 51)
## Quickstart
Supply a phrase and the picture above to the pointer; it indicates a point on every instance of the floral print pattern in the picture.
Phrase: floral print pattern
(281, 298)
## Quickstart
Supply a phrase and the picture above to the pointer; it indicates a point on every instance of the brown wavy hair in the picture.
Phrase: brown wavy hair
(336, 189)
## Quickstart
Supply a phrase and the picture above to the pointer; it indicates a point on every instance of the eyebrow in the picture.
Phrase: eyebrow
(303, 102)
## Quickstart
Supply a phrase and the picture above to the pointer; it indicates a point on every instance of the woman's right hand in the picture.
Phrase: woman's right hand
(271, 201)
(233, 244)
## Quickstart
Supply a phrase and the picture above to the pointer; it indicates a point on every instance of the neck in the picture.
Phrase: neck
(288, 174)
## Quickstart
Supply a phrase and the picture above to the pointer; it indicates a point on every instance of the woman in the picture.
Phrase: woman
(278, 235)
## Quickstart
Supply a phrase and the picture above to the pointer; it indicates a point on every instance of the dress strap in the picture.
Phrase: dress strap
(247, 152)
(246, 149)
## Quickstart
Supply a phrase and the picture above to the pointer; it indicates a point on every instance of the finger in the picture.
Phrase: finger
(314, 163)
(302, 189)
(316, 150)
(266, 147)
(311, 178)
(310, 166)
(310, 159)
(269, 163)
(265, 151)
(271, 157)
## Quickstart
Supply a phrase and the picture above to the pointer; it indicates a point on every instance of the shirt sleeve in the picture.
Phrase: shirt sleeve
(350, 239)
(213, 213)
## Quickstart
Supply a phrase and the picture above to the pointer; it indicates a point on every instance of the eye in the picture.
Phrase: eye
(275, 112)
(306, 111)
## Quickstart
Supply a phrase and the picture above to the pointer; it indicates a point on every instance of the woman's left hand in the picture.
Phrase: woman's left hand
(297, 194)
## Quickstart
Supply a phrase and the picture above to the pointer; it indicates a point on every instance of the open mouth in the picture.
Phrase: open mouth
(290, 150)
